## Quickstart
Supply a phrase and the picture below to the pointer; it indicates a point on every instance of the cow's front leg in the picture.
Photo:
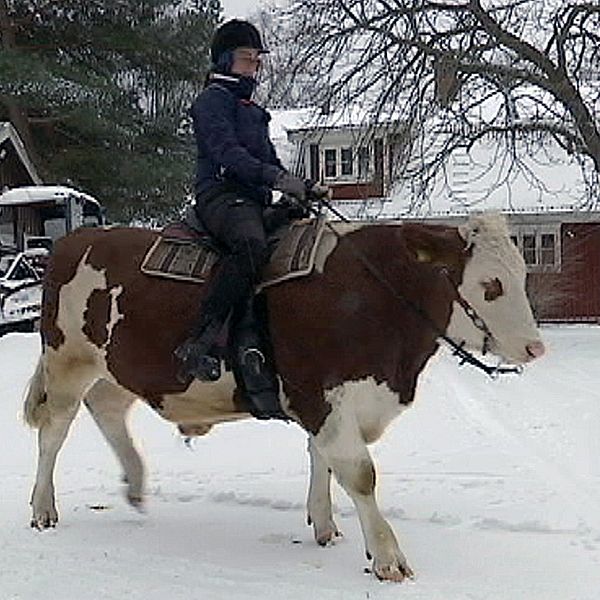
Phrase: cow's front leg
(342, 447)
(320, 514)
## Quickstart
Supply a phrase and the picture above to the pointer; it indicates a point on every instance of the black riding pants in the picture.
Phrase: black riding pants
(237, 224)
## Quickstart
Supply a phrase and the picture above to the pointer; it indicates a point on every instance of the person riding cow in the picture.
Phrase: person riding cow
(237, 169)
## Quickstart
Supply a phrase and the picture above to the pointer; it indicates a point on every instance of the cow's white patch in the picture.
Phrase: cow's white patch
(73, 297)
(115, 315)
(203, 403)
(373, 406)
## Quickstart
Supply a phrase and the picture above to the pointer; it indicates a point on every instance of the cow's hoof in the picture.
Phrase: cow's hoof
(137, 501)
(44, 520)
(326, 534)
(397, 571)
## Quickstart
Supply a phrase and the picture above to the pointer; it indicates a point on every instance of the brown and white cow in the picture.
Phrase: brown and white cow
(348, 350)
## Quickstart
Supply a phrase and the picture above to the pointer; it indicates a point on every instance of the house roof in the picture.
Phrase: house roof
(282, 122)
(42, 193)
(549, 180)
(8, 132)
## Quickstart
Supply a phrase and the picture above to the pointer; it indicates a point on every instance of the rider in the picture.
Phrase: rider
(236, 170)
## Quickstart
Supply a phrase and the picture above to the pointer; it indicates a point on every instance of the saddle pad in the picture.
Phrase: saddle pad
(294, 255)
(182, 259)
(187, 260)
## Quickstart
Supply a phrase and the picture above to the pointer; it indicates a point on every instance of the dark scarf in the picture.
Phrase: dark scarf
(240, 86)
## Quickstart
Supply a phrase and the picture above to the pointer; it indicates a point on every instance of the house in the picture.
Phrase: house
(30, 213)
(38, 215)
(554, 225)
(16, 168)
(355, 160)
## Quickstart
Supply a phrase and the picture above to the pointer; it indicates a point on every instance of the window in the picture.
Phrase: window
(347, 162)
(22, 271)
(342, 162)
(331, 163)
(547, 252)
(529, 249)
(539, 245)
(364, 159)
(5, 263)
(314, 168)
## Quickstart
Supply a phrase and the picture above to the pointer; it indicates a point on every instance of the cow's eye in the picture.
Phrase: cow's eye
(492, 289)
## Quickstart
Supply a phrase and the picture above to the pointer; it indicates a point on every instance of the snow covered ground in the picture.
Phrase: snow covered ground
(492, 487)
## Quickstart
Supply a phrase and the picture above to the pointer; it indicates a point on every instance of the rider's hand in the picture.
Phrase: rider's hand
(292, 185)
(318, 191)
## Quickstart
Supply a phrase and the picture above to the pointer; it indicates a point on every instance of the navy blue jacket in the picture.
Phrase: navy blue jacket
(232, 134)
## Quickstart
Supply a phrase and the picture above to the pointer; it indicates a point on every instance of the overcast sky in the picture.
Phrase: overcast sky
(238, 8)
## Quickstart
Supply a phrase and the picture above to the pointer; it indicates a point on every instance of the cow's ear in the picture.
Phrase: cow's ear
(423, 255)
(435, 247)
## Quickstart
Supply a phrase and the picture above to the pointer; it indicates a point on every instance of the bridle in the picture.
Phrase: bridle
(468, 309)
(458, 349)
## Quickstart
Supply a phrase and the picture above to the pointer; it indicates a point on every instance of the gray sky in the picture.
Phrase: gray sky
(238, 8)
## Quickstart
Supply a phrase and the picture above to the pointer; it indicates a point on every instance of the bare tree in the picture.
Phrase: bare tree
(283, 80)
(457, 72)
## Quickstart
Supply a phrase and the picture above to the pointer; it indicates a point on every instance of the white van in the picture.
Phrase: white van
(31, 219)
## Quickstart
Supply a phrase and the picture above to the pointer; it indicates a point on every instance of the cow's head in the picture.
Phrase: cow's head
(494, 284)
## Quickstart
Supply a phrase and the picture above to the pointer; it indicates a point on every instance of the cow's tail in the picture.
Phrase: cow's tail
(35, 410)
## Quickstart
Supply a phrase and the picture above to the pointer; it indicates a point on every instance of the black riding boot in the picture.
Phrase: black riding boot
(253, 364)
(198, 360)
(197, 353)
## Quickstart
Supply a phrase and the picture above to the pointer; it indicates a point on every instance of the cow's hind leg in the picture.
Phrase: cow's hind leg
(53, 412)
(109, 406)
(343, 448)
(320, 514)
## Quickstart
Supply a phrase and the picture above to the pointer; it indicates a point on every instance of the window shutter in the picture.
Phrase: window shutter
(315, 168)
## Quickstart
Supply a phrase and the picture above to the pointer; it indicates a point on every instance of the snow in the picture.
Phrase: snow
(544, 179)
(492, 487)
(42, 193)
(281, 122)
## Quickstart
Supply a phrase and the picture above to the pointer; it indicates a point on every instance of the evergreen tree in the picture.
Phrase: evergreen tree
(99, 92)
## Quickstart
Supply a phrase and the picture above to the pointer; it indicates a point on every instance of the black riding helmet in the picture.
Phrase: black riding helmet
(235, 34)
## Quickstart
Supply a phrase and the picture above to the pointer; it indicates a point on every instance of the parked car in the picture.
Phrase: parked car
(20, 290)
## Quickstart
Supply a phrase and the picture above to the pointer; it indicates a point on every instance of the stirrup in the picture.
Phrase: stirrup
(260, 388)
(254, 360)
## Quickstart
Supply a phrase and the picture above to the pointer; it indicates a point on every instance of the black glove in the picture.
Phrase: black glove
(292, 185)
(318, 191)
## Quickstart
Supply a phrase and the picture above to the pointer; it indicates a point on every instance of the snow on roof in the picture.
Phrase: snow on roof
(545, 178)
(283, 121)
(7, 131)
(549, 180)
(41, 193)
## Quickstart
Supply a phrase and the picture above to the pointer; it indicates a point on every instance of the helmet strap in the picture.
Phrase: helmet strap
(225, 62)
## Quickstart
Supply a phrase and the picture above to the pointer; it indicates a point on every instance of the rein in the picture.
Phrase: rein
(457, 348)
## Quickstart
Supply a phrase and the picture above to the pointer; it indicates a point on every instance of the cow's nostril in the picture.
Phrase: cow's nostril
(535, 349)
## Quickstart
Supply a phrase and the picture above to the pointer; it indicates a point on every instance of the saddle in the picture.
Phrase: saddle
(185, 251)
